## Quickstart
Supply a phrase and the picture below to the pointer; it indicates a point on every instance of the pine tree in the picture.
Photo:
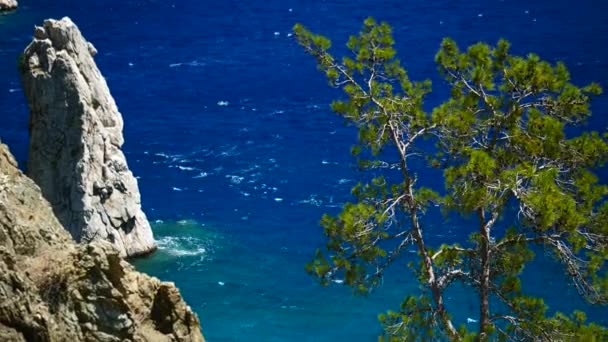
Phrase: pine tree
(511, 163)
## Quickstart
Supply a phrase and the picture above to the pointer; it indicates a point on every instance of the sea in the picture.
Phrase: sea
(229, 132)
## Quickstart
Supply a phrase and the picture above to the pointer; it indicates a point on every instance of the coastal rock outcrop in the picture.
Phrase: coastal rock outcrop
(7, 5)
(75, 142)
(52, 289)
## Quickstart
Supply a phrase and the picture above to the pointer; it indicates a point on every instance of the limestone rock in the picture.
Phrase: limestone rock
(54, 290)
(7, 5)
(75, 142)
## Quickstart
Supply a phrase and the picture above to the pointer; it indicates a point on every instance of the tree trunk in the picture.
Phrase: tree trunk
(427, 261)
(436, 291)
(484, 282)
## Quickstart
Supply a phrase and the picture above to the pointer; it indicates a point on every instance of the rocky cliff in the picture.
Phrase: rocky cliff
(54, 290)
(7, 5)
(75, 142)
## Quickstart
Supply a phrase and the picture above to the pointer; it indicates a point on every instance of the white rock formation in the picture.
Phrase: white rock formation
(7, 5)
(75, 141)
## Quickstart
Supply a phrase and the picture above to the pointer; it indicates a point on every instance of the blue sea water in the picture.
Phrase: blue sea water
(228, 129)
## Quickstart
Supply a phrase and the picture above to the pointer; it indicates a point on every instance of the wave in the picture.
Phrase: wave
(188, 64)
(325, 162)
(185, 243)
(181, 246)
(201, 175)
(172, 157)
(312, 200)
(183, 168)
(235, 179)
(229, 151)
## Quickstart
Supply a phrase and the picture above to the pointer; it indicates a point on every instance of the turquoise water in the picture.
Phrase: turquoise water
(258, 290)
(228, 129)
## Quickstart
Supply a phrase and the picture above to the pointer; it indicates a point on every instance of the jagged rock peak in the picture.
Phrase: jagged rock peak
(7, 5)
(75, 141)
(52, 290)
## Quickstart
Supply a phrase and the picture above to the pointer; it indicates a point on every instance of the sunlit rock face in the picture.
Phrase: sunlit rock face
(75, 142)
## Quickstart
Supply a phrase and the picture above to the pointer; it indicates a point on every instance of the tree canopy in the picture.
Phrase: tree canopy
(508, 143)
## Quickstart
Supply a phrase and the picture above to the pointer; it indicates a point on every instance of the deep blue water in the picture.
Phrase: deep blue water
(228, 129)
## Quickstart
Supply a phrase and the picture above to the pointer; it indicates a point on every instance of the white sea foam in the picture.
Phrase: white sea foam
(176, 189)
(181, 246)
(203, 174)
(186, 222)
(183, 168)
(253, 167)
(326, 162)
(312, 200)
(254, 177)
(223, 103)
(187, 64)
(235, 179)
(229, 151)
(172, 157)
